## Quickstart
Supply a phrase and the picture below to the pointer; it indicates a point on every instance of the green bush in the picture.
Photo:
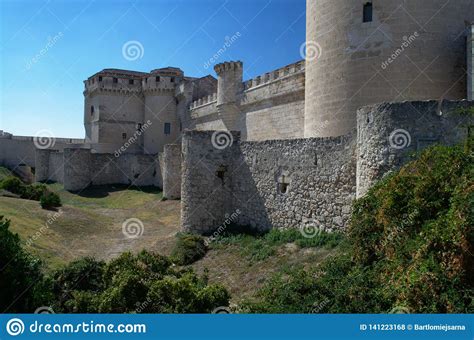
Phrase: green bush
(22, 287)
(409, 246)
(188, 249)
(50, 200)
(34, 192)
(14, 185)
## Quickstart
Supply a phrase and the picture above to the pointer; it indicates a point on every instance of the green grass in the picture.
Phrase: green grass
(259, 248)
(4, 173)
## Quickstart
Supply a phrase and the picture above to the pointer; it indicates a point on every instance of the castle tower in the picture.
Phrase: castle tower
(229, 88)
(160, 109)
(363, 52)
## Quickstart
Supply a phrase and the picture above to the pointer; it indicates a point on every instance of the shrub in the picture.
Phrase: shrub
(50, 200)
(22, 287)
(34, 192)
(188, 249)
(410, 245)
(14, 185)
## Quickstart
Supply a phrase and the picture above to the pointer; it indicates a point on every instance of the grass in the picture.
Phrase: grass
(258, 248)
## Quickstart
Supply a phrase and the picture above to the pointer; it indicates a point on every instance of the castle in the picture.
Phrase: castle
(292, 147)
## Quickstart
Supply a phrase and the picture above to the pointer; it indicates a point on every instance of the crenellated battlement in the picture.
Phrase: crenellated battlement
(228, 66)
(278, 74)
(212, 98)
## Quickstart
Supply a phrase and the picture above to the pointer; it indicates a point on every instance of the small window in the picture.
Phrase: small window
(157, 79)
(172, 79)
(167, 128)
(115, 80)
(92, 110)
(124, 135)
(139, 126)
(146, 80)
(368, 12)
(100, 78)
(130, 81)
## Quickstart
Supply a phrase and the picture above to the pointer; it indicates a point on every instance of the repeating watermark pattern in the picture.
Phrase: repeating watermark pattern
(229, 41)
(222, 139)
(399, 139)
(133, 50)
(44, 139)
(133, 228)
(229, 219)
(399, 310)
(319, 306)
(310, 50)
(49, 45)
(51, 219)
(310, 228)
(407, 41)
(142, 305)
(44, 310)
(15, 327)
(133, 139)
(222, 310)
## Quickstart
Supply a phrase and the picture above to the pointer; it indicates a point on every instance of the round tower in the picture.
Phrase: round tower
(229, 88)
(365, 52)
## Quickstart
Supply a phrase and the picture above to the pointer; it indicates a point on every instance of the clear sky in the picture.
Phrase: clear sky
(49, 47)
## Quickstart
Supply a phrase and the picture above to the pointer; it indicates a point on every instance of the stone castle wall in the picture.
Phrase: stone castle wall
(270, 106)
(300, 182)
(170, 163)
(389, 134)
(272, 184)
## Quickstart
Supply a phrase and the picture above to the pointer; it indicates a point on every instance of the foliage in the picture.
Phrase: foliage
(142, 283)
(188, 249)
(21, 284)
(260, 247)
(35, 192)
(409, 247)
(50, 200)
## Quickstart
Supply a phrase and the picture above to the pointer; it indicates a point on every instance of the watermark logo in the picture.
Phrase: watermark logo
(15, 327)
(133, 139)
(399, 139)
(310, 228)
(222, 139)
(399, 310)
(407, 41)
(133, 50)
(133, 228)
(44, 139)
(222, 310)
(229, 41)
(44, 310)
(49, 45)
(310, 50)
(229, 219)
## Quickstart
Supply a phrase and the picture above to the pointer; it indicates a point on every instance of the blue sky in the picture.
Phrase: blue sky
(49, 47)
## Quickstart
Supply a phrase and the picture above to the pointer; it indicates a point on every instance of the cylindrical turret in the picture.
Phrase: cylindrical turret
(365, 52)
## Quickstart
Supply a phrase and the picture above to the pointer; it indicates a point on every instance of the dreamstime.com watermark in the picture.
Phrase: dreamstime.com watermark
(51, 219)
(49, 45)
(399, 139)
(133, 228)
(133, 50)
(229, 41)
(222, 228)
(132, 140)
(17, 327)
(44, 139)
(311, 228)
(221, 139)
(407, 41)
(310, 50)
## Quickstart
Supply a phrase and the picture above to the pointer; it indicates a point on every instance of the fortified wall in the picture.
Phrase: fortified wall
(300, 182)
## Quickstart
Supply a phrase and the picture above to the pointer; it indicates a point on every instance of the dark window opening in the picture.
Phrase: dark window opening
(100, 78)
(130, 81)
(124, 135)
(282, 188)
(315, 159)
(368, 12)
(139, 126)
(220, 172)
(157, 79)
(172, 79)
(136, 176)
(92, 110)
(167, 128)
(115, 80)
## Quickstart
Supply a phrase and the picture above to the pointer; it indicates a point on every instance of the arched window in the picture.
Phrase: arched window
(92, 110)
(368, 12)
